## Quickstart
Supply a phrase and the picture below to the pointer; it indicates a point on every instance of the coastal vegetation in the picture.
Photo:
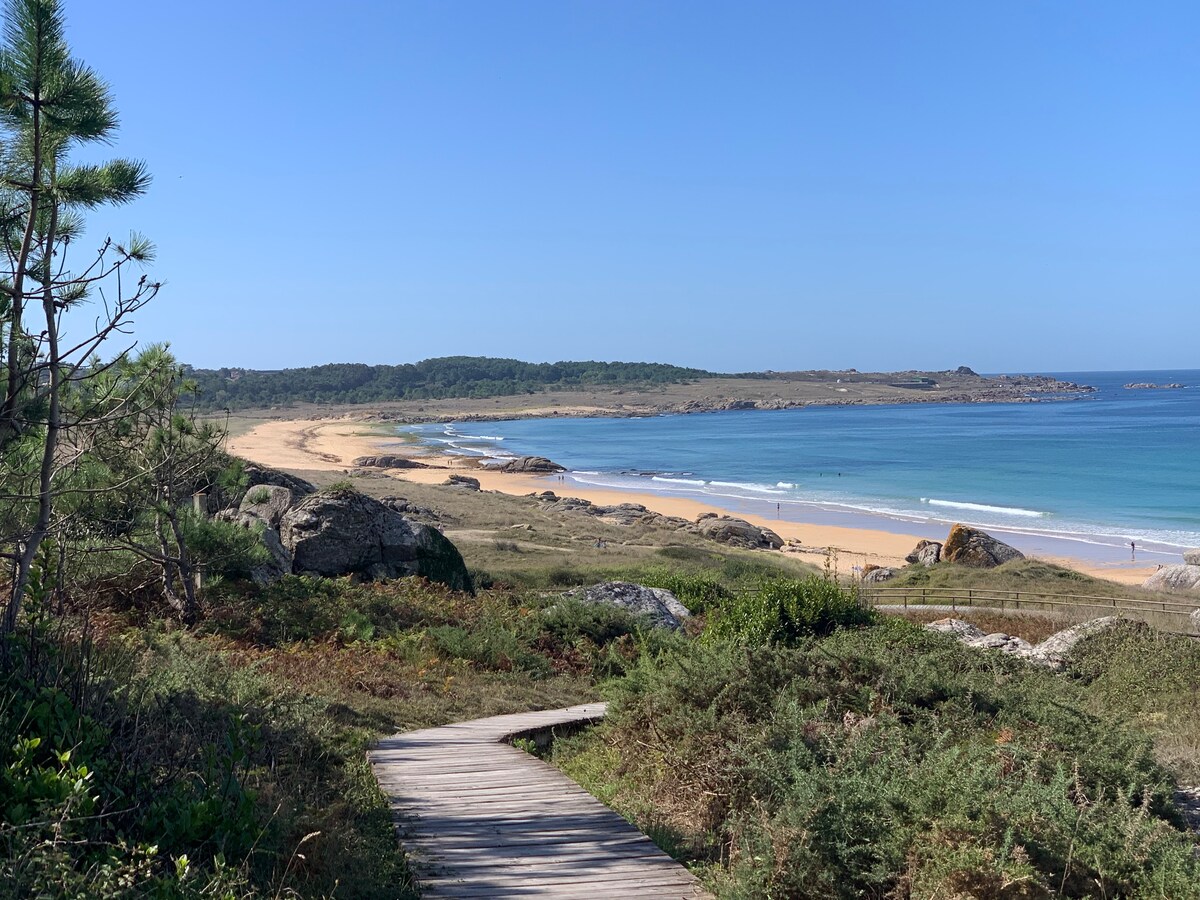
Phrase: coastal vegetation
(452, 376)
(629, 388)
(176, 724)
(886, 761)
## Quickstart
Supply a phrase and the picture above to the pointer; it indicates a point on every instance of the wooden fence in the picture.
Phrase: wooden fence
(1183, 614)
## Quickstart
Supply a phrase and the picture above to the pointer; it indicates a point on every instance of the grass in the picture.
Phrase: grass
(1032, 576)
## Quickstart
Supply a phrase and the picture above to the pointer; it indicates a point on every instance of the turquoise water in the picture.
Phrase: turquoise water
(1097, 472)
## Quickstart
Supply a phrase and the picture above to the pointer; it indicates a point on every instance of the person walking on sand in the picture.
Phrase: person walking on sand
(1132, 552)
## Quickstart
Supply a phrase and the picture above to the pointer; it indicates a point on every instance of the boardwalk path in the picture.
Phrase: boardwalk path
(480, 818)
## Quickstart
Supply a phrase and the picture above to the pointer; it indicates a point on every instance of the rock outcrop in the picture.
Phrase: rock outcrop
(972, 636)
(1053, 652)
(462, 481)
(256, 475)
(1192, 557)
(408, 508)
(957, 628)
(268, 502)
(1174, 579)
(878, 575)
(388, 462)
(971, 547)
(347, 533)
(624, 514)
(737, 532)
(531, 465)
(926, 553)
(657, 605)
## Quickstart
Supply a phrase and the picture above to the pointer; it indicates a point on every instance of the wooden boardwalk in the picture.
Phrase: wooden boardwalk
(479, 818)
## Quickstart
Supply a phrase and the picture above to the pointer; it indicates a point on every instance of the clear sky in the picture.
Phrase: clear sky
(1013, 186)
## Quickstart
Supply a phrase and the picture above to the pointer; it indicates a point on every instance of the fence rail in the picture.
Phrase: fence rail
(1029, 601)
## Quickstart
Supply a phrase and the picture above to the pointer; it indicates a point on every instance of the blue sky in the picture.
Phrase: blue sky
(1011, 186)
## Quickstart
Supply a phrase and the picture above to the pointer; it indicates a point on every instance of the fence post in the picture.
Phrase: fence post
(200, 508)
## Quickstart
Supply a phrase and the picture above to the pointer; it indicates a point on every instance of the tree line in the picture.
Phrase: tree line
(430, 379)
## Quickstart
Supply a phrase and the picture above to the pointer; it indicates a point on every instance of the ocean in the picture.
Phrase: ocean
(1075, 477)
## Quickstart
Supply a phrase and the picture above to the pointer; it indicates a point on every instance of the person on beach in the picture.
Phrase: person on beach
(1132, 552)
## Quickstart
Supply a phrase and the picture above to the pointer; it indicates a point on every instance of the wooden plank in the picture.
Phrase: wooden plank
(480, 818)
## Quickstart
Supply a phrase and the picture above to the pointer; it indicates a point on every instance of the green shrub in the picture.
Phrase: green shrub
(698, 593)
(889, 762)
(223, 548)
(569, 620)
(786, 610)
(92, 804)
(490, 645)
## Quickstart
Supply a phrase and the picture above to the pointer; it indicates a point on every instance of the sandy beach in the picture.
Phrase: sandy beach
(333, 445)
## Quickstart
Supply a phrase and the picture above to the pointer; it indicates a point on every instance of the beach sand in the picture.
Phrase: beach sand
(332, 445)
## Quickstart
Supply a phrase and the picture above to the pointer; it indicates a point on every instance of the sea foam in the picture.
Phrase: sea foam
(746, 486)
(983, 507)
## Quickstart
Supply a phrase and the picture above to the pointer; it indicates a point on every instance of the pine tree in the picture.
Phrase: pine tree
(50, 104)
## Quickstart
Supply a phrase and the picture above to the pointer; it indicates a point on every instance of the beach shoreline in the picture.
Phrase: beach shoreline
(333, 445)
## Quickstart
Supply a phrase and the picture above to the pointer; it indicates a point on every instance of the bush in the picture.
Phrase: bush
(785, 610)
(489, 645)
(698, 593)
(889, 762)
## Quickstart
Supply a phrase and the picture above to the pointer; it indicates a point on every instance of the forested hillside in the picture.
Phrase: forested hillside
(450, 376)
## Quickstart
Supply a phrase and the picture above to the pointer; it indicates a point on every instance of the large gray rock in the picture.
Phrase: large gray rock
(268, 502)
(658, 605)
(1005, 643)
(622, 514)
(971, 636)
(410, 509)
(957, 628)
(462, 481)
(926, 553)
(347, 533)
(737, 532)
(1055, 650)
(1192, 557)
(1174, 579)
(256, 475)
(971, 547)
(387, 461)
(532, 465)
(878, 575)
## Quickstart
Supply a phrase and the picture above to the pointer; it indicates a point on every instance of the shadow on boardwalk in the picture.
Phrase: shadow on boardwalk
(480, 818)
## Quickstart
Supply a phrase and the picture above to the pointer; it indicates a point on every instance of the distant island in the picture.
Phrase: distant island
(483, 387)
(1147, 386)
